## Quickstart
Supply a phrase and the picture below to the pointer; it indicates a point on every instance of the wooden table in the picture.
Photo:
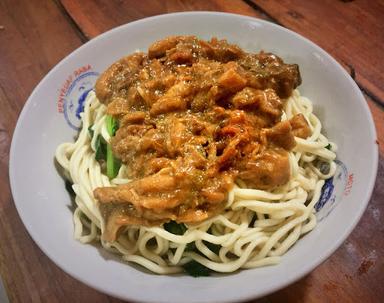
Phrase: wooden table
(37, 34)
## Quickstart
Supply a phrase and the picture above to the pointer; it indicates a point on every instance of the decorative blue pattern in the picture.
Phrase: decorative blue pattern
(81, 100)
(73, 104)
(326, 193)
(332, 191)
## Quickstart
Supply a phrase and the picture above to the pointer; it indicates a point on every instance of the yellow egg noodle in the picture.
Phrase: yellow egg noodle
(283, 215)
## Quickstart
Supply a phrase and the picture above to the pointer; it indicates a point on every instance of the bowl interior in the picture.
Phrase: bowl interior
(49, 118)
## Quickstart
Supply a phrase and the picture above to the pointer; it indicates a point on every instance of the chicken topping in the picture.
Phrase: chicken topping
(195, 115)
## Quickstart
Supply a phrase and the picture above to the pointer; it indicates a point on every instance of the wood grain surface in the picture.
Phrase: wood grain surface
(36, 34)
(352, 31)
(110, 14)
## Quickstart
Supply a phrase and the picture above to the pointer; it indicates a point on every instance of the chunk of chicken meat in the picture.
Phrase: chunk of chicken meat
(193, 116)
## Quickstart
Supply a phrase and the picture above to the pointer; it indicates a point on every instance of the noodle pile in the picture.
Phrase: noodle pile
(256, 228)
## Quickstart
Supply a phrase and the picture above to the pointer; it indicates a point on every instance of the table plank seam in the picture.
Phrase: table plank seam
(352, 71)
(260, 10)
(77, 29)
(372, 96)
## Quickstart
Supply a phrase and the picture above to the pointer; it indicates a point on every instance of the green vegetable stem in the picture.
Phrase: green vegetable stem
(113, 164)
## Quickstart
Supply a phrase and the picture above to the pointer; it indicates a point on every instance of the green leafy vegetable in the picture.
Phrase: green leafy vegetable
(175, 228)
(91, 131)
(191, 246)
(253, 220)
(112, 125)
(213, 247)
(192, 268)
(323, 166)
(101, 148)
(113, 164)
(68, 187)
(195, 269)
(328, 146)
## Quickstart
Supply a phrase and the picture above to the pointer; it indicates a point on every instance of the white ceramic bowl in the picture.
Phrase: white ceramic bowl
(49, 118)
